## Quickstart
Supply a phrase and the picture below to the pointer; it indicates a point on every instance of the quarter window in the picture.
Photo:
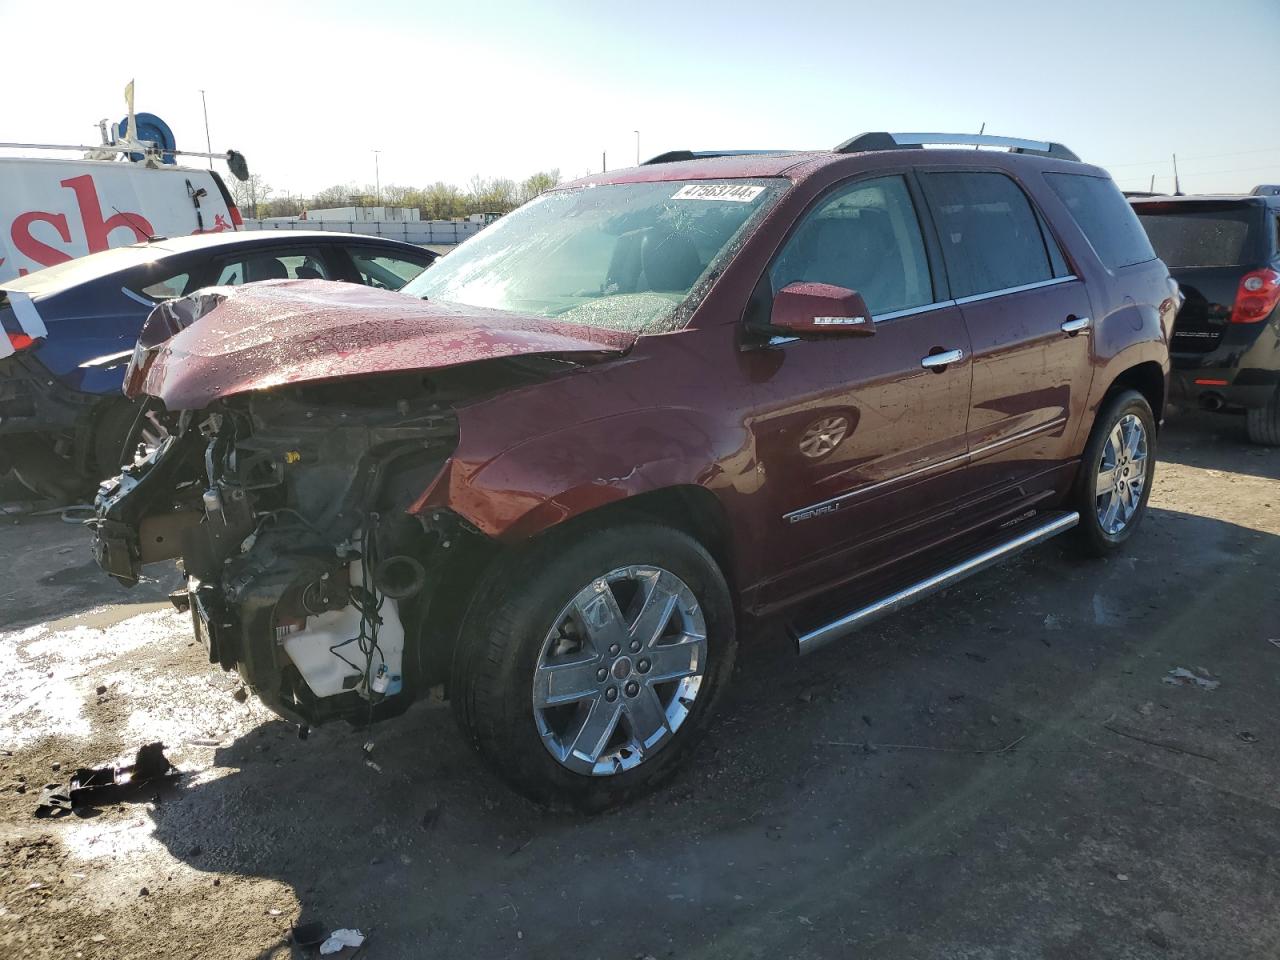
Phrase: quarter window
(865, 237)
(168, 288)
(1105, 217)
(991, 239)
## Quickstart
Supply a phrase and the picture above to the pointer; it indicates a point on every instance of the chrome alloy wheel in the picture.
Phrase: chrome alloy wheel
(1122, 475)
(619, 670)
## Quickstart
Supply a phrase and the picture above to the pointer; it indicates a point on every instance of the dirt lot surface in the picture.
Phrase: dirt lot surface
(1001, 771)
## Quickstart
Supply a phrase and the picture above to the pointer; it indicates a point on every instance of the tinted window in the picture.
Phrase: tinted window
(1105, 217)
(991, 239)
(865, 237)
(1202, 235)
(274, 265)
(384, 270)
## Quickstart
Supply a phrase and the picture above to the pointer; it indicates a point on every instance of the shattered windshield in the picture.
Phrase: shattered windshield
(619, 256)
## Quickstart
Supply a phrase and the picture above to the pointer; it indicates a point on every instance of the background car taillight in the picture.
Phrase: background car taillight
(1257, 296)
(20, 341)
(237, 221)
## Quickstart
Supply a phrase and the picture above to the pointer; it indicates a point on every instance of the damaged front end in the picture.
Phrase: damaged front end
(288, 511)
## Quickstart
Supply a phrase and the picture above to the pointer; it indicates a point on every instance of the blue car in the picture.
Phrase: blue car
(69, 330)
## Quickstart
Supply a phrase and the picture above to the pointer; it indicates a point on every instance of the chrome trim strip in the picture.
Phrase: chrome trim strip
(138, 297)
(1023, 435)
(1008, 290)
(820, 637)
(912, 311)
(823, 506)
(107, 360)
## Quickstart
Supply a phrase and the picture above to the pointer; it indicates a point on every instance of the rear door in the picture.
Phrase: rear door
(860, 445)
(1028, 316)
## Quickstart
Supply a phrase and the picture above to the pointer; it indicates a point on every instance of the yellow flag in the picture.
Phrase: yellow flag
(130, 128)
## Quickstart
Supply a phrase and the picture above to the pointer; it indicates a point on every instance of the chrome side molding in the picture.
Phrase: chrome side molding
(836, 629)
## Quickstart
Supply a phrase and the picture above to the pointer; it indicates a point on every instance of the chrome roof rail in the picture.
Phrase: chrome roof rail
(909, 141)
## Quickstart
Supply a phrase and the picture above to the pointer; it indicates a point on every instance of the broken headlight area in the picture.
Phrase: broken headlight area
(287, 512)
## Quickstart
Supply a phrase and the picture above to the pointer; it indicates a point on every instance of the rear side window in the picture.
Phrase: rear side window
(991, 238)
(1203, 235)
(273, 265)
(1105, 217)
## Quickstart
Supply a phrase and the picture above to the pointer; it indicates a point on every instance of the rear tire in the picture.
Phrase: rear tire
(552, 703)
(1263, 423)
(1116, 472)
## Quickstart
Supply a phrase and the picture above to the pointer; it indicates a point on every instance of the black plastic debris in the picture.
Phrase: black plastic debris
(92, 787)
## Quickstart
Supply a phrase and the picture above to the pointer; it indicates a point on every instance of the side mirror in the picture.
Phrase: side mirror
(807, 309)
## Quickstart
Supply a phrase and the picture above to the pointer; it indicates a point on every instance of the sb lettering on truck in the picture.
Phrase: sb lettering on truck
(47, 218)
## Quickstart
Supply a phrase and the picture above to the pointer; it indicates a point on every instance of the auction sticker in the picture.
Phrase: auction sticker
(736, 192)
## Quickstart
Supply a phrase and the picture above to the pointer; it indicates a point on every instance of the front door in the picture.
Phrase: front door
(860, 443)
(1029, 319)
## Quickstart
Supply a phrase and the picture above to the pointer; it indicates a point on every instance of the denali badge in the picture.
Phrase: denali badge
(838, 321)
(813, 512)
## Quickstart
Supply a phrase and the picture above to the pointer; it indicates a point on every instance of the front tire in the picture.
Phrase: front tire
(1116, 473)
(589, 663)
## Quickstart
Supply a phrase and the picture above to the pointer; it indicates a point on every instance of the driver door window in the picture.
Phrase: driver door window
(865, 237)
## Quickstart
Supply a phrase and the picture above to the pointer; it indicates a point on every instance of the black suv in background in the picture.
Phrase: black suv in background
(1224, 251)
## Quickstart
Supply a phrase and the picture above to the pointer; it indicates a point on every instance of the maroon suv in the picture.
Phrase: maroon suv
(637, 415)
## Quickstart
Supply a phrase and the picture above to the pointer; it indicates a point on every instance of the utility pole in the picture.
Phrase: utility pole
(604, 163)
(377, 180)
(208, 144)
(637, 133)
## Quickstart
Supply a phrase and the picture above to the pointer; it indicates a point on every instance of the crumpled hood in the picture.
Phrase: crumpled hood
(228, 340)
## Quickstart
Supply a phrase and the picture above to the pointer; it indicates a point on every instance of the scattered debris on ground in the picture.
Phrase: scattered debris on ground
(91, 787)
(1200, 677)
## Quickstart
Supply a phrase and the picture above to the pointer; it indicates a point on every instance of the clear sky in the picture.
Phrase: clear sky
(449, 90)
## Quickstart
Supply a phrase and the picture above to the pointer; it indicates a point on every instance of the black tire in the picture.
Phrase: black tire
(37, 465)
(113, 428)
(502, 637)
(1090, 535)
(1263, 423)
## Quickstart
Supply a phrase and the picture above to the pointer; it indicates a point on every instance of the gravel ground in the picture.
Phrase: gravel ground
(999, 772)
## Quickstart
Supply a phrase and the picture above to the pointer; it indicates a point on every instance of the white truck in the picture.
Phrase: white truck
(125, 190)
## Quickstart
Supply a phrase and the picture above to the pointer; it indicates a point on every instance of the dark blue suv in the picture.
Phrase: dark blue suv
(70, 330)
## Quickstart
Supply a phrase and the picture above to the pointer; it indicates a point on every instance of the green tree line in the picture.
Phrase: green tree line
(436, 201)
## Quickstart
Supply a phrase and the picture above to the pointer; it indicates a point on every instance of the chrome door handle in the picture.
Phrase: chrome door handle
(1075, 324)
(941, 359)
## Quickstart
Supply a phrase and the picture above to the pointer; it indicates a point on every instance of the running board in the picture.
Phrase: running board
(814, 639)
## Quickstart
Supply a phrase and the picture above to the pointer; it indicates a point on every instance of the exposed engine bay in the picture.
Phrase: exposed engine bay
(287, 510)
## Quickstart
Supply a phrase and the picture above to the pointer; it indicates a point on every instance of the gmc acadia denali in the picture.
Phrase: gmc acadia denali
(637, 415)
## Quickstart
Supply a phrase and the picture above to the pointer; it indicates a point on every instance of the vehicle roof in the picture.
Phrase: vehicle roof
(800, 165)
(207, 241)
(115, 260)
